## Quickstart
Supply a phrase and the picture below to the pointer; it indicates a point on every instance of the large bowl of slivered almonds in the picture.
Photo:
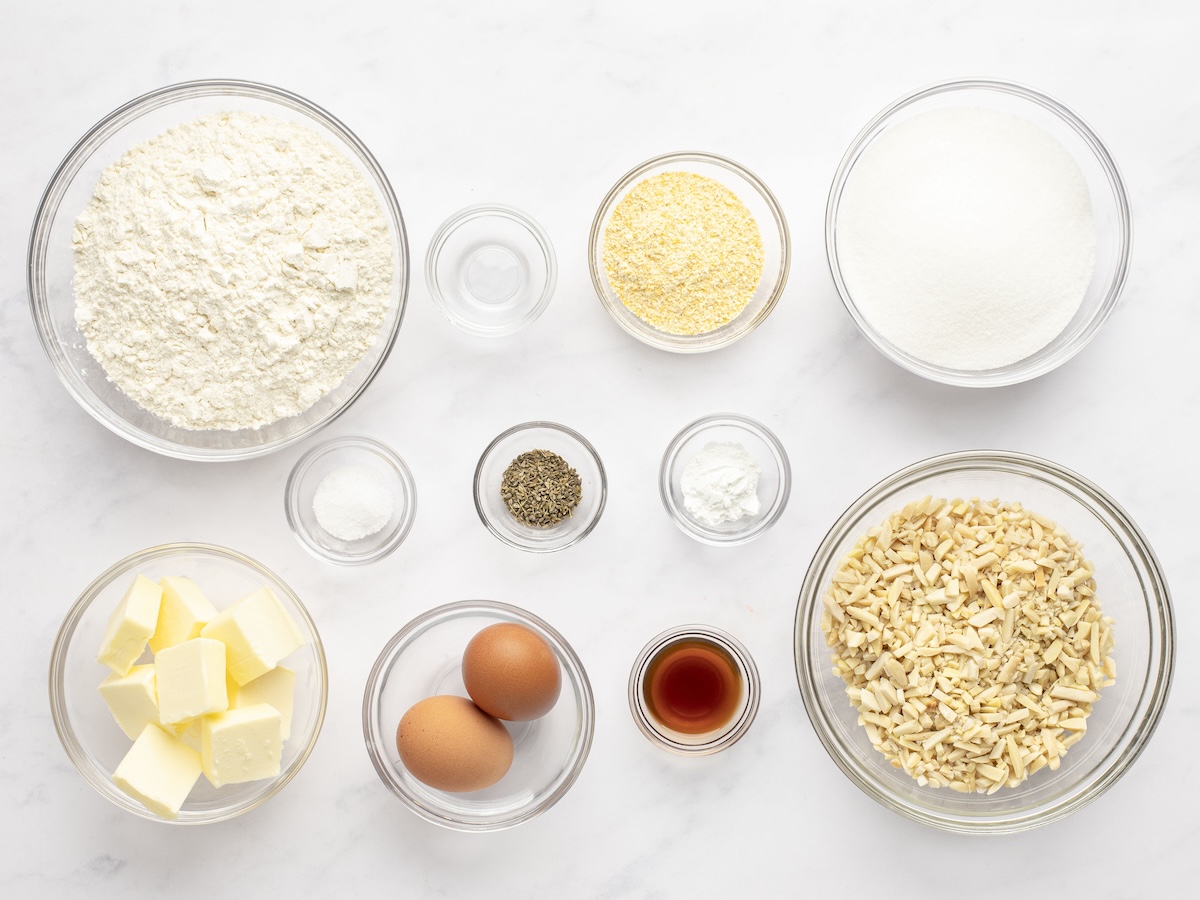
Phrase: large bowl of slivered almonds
(689, 252)
(984, 642)
(217, 269)
(188, 684)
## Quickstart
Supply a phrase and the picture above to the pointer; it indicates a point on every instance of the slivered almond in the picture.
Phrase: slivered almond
(1052, 652)
(970, 642)
(894, 572)
(1062, 692)
(983, 618)
(864, 615)
(992, 594)
(896, 670)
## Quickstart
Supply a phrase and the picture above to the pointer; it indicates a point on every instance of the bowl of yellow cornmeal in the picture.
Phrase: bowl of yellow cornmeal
(689, 252)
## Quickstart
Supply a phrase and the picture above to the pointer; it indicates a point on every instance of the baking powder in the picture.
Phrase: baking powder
(965, 237)
(231, 271)
(720, 484)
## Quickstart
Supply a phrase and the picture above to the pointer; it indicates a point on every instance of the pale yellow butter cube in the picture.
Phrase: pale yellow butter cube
(241, 745)
(184, 611)
(257, 632)
(191, 680)
(189, 730)
(158, 772)
(276, 688)
(132, 699)
(130, 626)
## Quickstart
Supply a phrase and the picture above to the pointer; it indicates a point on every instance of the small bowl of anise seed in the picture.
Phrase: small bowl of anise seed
(540, 486)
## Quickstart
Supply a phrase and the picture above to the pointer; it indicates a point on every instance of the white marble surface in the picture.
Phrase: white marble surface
(543, 105)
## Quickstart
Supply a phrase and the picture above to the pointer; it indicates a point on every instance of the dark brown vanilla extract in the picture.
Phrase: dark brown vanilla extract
(693, 686)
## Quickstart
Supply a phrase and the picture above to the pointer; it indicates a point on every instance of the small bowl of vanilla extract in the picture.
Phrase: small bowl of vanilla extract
(694, 690)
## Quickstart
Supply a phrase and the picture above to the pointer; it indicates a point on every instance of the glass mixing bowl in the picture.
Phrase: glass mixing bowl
(777, 249)
(774, 483)
(329, 456)
(423, 659)
(90, 736)
(721, 737)
(1129, 587)
(51, 267)
(491, 269)
(578, 453)
(1110, 211)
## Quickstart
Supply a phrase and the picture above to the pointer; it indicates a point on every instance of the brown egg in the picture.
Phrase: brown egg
(511, 672)
(450, 744)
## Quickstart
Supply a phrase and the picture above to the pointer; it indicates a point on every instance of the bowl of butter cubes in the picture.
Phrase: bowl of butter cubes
(188, 684)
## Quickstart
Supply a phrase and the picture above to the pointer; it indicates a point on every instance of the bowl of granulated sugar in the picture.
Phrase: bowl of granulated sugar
(978, 233)
(218, 269)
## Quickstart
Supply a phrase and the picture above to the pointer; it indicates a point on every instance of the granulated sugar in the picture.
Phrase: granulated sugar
(966, 238)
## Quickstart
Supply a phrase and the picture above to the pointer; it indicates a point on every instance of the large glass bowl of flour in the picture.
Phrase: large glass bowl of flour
(978, 233)
(282, 388)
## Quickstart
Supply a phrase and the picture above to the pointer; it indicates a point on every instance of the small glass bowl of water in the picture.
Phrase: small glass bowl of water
(491, 269)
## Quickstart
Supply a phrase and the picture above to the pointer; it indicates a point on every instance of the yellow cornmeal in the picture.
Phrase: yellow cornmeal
(683, 253)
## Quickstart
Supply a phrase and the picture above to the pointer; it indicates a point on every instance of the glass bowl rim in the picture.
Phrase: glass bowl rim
(529, 426)
(61, 715)
(647, 334)
(448, 612)
(745, 662)
(1016, 372)
(291, 497)
(478, 211)
(697, 531)
(1159, 610)
(70, 166)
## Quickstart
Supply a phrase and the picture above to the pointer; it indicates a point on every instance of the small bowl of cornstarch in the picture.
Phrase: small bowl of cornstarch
(218, 269)
(978, 233)
(725, 479)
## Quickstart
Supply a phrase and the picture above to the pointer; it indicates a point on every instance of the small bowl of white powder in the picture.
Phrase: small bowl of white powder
(218, 269)
(725, 479)
(350, 500)
(978, 233)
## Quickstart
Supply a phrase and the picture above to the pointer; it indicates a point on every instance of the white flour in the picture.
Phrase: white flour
(966, 237)
(231, 271)
(720, 484)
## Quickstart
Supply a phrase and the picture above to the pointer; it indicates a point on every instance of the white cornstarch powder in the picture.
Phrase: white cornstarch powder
(353, 502)
(231, 271)
(966, 237)
(720, 484)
